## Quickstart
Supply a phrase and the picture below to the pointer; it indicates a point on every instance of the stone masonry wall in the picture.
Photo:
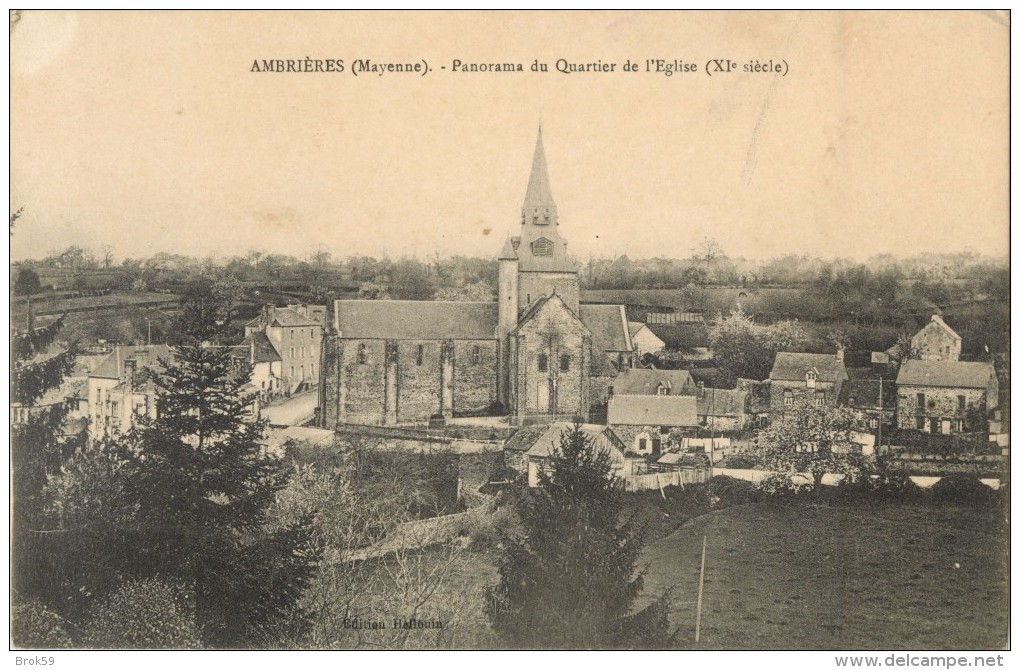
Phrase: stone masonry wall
(474, 381)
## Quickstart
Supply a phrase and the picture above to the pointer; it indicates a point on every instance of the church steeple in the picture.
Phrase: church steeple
(539, 208)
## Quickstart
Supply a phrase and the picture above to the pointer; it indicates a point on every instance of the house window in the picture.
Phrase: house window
(312, 373)
(543, 363)
(529, 298)
(961, 403)
(420, 356)
(292, 336)
(819, 398)
(810, 377)
(565, 363)
(920, 423)
(920, 400)
(362, 354)
(642, 444)
(663, 389)
(959, 425)
(873, 423)
(292, 371)
(302, 372)
(476, 355)
(292, 352)
(542, 246)
(311, 333)
(302, 352)
(787, 398)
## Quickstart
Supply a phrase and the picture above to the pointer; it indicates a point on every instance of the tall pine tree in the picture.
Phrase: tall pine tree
(201, 486)
(571, 582)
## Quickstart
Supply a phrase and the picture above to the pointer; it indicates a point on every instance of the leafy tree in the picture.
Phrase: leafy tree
(480, 291)
(27, 282)
(746, 349)
(814, 439)
(35, 627)
(571, 581)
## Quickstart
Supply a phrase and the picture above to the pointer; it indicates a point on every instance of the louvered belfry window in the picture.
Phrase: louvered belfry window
(542, 247)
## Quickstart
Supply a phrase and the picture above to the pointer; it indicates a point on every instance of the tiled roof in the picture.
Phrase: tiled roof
(722, 402)
(653, 410)
(416, 320)
(265, 352)
(950, 374)
(113, 366)
(640, 381)
(793, 366)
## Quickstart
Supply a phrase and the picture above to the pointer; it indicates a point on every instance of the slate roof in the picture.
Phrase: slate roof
(864, 393)
(653, 410)
(287, 318)
(113, 365)
(416, 320)
(549, 440)
(681, 336)
(608, 326)
(949, 374)
(641, 381)
(265, 352)
(524, 438)
(722, 402)
(792, 367)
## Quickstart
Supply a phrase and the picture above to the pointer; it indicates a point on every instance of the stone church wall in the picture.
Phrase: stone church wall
(474, 383)
(539, 284)
(418, 385)
(363, 385)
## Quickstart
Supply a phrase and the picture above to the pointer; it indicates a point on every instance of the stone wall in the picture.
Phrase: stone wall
(362, 386)
(939, 403)
(418, 384)
(474, 378)
(801, 393)
(539, 284)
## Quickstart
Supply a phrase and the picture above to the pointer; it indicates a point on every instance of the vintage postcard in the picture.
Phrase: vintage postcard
(511, 330)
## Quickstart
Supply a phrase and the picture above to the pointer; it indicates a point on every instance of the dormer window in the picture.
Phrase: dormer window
(810, 378)
(663, 389)
(542, 247)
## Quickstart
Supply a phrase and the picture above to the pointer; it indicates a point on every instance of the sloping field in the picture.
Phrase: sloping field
(814, 577)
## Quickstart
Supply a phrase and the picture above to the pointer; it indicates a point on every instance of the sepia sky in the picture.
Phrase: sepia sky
(147, 132)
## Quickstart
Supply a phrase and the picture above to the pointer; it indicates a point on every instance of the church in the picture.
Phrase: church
(536, 354)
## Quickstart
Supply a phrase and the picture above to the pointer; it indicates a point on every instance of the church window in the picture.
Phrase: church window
(542, 247)
(543, 363)
(362, 354)
(476, 355)
(420, 357)
(565, 363)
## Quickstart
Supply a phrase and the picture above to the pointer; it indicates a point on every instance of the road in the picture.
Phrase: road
(293, 411)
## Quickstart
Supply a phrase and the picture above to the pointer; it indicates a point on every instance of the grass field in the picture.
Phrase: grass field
(813, 577)
(802, 576)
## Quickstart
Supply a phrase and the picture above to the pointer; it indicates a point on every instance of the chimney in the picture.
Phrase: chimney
(839, 353)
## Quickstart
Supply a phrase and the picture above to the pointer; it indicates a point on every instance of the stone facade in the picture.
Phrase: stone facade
(534, 353)
(936, 342)
(935, 409)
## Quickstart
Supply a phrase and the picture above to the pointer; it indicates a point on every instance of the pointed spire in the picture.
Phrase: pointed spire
(508, 253)
(539, 193)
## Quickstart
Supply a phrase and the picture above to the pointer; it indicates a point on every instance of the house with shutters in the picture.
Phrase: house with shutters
(121, 388)
(295, 333)
(535, 354)
(797, 378)
(945, 396)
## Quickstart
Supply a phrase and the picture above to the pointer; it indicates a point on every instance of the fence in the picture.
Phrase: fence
(755, 476)
(657, 480)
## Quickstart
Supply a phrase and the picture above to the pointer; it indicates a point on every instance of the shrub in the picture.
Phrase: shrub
(35, 627)
(963, 490)
(144, 614)
(782, 485)
(732, 491)
(741, 461)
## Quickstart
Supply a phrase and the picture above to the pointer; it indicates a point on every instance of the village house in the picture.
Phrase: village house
(540, 445)
(652, 381)
(535, 354)
(121, 388)
(945, 396)
(797, 378)
(643, 339)
(723, 410)
(936, 342)
(258, 352)
(645, 422)
(295, 332)
(872, 400)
